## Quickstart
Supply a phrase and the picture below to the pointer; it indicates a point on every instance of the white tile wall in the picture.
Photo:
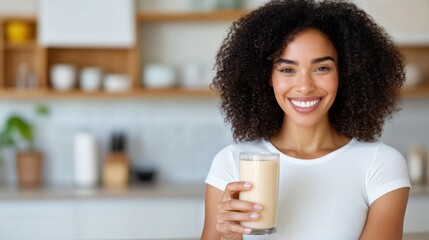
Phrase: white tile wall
(179, 136)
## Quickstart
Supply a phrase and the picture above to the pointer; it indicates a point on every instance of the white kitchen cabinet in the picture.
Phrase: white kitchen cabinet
(82, 23)
(36, 220)
(101, 219)
(139, 219)
(131, 218)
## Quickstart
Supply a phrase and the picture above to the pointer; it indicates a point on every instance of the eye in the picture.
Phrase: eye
(286, 70)
(322, 69)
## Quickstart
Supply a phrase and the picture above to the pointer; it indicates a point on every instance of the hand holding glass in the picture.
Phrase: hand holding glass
(262, 170)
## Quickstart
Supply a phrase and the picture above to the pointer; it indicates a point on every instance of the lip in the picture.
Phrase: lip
(305, 99)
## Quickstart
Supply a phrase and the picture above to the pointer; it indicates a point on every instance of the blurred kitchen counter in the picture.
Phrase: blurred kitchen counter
(90, 213)
(416, 236)
(420, 190)
(145, 191)
(150, 191)
(149, 211)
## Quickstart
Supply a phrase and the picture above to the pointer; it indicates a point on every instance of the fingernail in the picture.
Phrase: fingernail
(247, 230)
(254, 215)
(257, 206)
(247, 185)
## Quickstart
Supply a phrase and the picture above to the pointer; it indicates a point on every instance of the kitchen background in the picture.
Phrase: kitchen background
(180, 133)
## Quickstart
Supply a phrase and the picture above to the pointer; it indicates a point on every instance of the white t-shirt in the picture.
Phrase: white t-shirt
(326, 197)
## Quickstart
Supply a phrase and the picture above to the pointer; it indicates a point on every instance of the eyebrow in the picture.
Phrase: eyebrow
(316, 60)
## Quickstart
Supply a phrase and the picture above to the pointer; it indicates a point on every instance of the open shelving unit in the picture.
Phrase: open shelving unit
(127, 60)
(112, 60)
(417, 55)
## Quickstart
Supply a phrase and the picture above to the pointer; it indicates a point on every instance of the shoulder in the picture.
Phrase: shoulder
(377, 150)
(387, 171)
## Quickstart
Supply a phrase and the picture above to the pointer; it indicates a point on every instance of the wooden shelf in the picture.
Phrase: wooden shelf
(224, 15)
(26, 94)
(419, 91)
(30, 46)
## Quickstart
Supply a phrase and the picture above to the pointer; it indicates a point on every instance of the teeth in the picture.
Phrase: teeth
(305, 104)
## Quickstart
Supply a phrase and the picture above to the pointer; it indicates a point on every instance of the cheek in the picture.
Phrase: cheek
(280, 83)
(330, 84)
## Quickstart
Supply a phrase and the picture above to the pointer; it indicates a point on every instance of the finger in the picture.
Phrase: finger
(234, 187)
(238, 205)
(228, 227)
(237, 216)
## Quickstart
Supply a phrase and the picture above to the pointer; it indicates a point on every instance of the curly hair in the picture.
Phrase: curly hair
(371, 69)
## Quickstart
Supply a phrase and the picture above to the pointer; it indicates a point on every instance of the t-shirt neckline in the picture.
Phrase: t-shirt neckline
(318, 160)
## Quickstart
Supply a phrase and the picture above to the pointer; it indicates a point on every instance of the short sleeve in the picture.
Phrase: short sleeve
(387, 173)
(223, 169)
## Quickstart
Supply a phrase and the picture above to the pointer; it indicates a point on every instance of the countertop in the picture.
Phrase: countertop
(146, 191)
(416, 236)
(188, 191)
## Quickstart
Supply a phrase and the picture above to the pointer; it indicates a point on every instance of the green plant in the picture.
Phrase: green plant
(18, 133)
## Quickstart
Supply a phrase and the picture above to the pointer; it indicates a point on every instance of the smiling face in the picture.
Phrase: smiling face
(305, 78)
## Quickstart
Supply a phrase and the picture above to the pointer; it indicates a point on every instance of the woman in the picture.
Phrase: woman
(314, 82)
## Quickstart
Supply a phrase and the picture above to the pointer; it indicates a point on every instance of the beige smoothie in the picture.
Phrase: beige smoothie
(262, 170)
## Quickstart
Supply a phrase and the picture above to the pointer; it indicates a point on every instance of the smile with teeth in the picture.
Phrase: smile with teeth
(305, 104)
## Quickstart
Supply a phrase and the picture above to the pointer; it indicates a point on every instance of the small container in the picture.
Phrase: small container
(85, 160)
(146, 174)
(116, 165)
(116, 170)
(63, 77)
(158, 76)
(18, 31)
(116, 83)
(427, 166)
(90, 78)
(416, 164)
(191, 76)
(413, 75)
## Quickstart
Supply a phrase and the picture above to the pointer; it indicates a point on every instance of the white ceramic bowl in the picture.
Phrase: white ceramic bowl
(158, 76)
(116, 82)
(63, 76)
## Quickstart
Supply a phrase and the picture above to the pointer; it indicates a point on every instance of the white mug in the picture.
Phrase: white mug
(191, 75)
(63, 76)
(90, 78)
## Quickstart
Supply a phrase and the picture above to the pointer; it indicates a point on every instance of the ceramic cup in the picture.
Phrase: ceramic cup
(63, 76)
(191, 75)
(90, 78)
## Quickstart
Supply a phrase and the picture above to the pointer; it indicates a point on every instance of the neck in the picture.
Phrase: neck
(308, 141)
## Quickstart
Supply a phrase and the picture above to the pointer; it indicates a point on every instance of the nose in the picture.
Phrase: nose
(305, 83)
